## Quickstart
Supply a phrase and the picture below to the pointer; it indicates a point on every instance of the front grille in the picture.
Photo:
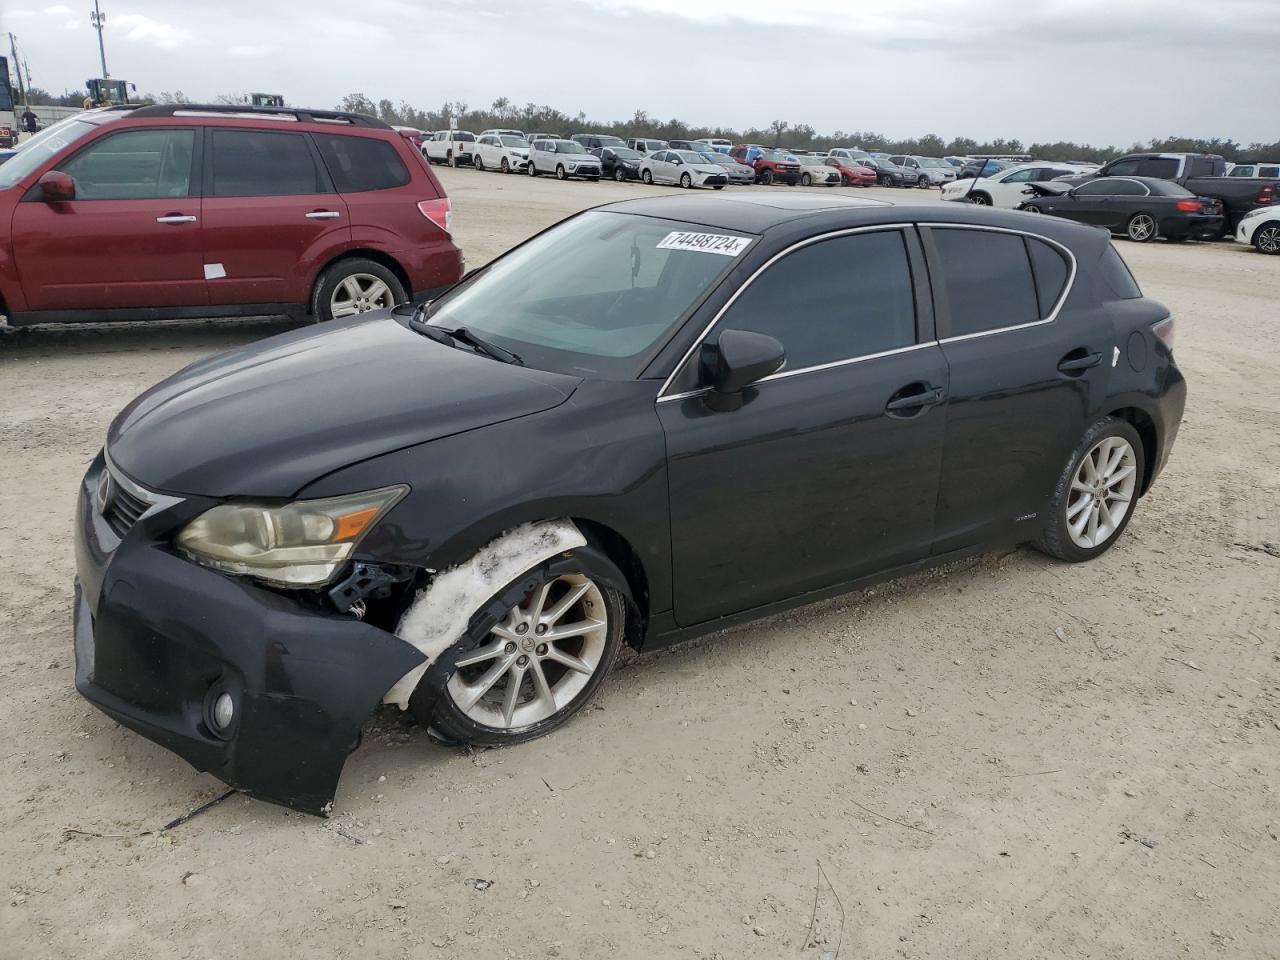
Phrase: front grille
(123, 510)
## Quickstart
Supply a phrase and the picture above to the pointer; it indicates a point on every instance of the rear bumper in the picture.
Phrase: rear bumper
(1195, 227)
(158, 638)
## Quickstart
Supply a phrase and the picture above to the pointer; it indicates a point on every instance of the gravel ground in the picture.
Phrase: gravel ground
(1008, 758)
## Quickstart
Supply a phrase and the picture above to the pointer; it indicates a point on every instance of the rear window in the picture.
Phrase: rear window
(1269, 172)
(358, 164)
(463, 137)
(1115, 274)
(259, 163)
(988, 280)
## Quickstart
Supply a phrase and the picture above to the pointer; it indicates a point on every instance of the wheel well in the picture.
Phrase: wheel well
(377, 256)
(628, 561)
(1146, 428)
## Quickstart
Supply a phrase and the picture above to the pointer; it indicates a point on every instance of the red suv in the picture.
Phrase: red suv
(771, 166)
(136, 213)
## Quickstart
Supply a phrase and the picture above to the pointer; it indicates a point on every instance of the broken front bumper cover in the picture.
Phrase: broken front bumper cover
(158, 639)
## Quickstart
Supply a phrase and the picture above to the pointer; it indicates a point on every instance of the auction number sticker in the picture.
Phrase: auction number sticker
(705, 243)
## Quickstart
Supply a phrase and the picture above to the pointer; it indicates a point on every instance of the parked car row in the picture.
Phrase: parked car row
(1146, 196)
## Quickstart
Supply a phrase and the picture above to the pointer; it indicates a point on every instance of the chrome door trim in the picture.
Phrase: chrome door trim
(177, 218)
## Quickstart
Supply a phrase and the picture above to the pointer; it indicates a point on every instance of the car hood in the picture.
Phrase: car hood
(266, 420)
(708, 168)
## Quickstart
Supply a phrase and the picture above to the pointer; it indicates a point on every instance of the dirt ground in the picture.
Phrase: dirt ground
(1010, 758)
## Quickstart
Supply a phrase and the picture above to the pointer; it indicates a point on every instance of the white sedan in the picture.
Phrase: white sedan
(1005, 189)
(1261, 227)
(684, 167)
(496, 151)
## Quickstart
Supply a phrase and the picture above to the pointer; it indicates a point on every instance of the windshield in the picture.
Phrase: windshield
(34, 152)
(567, 146)
(932, 162)
(690, 156)
(811, 160)
(513, 141)
(593, 296)
(607, 141)
(776, 155)
(720, 158)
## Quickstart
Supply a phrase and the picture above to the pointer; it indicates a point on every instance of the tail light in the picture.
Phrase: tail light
(439, 212)
(1164, 331)
(1267, 194)
(1189, 206)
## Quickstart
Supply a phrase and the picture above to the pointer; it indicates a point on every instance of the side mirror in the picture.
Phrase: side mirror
(736, 360)
(57, 186)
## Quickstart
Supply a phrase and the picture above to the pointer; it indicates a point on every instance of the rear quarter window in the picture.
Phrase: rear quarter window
(360, 164)
(1115, 275)
(1051, 270)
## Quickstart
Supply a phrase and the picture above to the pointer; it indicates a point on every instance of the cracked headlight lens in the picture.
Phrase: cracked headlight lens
(296, 544)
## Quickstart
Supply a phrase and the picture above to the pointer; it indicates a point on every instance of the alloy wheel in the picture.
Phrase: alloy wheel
(686, 181)
(980, 199)
(360, 293)
(560, 174)
(506, 167)
(1102, 492)
(538, 659)
(647, 178)
(1142, 227)
(619, 174)
(1267, 239)
(477, 162)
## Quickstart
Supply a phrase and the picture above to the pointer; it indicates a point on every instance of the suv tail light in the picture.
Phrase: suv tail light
(1189, 206)
(1267, 194)
(439, 212)
(1164, 331)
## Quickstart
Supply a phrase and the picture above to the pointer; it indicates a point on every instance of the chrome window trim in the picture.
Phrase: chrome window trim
(701, 338)
(156, 501)
(1062, 297)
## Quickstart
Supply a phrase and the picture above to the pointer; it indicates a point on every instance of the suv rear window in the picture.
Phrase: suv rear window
(260, 163)
(358, 164)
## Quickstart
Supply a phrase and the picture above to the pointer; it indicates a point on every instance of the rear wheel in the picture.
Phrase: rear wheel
(539, 664)
(533, 171)
(1141, 228)
(647, 177)
(1266, 239)
(355, 286)
(1096, 494)
(477, 162)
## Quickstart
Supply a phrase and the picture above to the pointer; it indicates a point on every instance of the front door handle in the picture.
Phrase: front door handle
(323, 215)
(914, 398)
(176, 218)
(1077, 361)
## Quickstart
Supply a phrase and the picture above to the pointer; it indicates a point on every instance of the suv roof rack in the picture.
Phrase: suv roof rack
(244, 109)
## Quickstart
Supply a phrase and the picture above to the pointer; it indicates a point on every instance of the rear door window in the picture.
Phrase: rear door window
(1123, 168)
(987, 278)
(262, 163)
(359, 164)
(134, 165)
(1164, 168)
(834, 300)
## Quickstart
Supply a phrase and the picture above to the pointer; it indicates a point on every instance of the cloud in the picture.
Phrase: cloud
(145, 30)
(250, 52)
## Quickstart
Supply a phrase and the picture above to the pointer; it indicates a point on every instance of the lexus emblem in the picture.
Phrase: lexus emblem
(106, 492)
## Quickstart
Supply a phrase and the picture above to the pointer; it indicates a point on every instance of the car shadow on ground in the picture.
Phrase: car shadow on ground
(108, 338)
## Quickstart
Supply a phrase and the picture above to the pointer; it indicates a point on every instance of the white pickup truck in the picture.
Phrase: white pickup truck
(454, 147)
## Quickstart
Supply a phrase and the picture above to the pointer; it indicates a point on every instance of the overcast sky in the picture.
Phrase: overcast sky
(1102, 71)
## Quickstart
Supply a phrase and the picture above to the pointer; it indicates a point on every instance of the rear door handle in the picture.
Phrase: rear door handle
(915, 397)
(323, 215)
(1077, 362)
(176, 218)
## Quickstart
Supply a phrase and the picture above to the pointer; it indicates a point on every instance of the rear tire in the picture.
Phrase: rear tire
(1072, 501)
(533, 171)
(327, 284)
(440, 701)
(647, 177)
(1141, 228)
(478, 163)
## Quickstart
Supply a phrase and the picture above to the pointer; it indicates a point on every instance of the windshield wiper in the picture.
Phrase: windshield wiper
(463, 335)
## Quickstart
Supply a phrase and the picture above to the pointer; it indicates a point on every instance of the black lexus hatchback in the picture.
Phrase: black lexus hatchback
(655, 419)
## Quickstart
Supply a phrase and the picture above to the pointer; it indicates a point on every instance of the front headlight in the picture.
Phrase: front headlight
(296, 544)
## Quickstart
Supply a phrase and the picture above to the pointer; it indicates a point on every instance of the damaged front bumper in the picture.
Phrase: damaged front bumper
(159, 639)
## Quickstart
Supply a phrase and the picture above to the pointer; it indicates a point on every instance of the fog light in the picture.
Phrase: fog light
(224, 711)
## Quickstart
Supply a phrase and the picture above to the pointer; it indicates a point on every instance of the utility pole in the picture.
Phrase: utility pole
(17, 68)
(99, 20)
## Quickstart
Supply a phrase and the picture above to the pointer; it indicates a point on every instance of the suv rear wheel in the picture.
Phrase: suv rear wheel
(354, 286)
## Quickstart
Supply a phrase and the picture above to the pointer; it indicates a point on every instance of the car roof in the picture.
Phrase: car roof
(761, 211)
